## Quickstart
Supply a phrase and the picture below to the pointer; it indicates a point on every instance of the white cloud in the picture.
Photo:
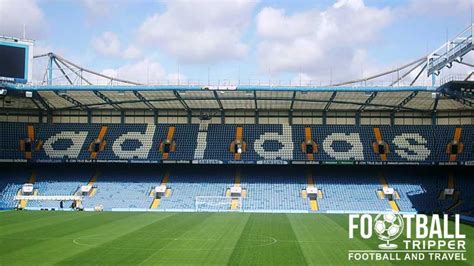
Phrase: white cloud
(146, 71)
(312, 41)
(437, 8)
(175, 78)
(143, 71)
(14, 14)
(201, 32)
(132, 52)
(108, 44)
(98, 8)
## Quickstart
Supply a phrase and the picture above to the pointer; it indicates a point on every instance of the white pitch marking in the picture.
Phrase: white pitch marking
(273, 241)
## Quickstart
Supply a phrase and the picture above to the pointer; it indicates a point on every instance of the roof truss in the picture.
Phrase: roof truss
(180, 99)
(68, 98)
(107, 100)
(144, 100)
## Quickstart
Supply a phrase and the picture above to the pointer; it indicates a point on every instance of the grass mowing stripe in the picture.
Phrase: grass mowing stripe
(280, 246)
(323, 240)
(211, 243)
(32, 236)
(341, 223)
(12, 217)
(35, 219)
(56, 249)
(309, 233)
(190, 238)
(37, 223)
(138, 245)
(187, 242)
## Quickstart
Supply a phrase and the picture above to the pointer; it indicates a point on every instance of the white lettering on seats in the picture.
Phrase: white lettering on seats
(285, 139)
(72, 151)
(419, 150)
(145, 139)
(356, 152)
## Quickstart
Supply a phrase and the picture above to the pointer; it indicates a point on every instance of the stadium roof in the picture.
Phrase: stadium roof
(455, 93)
(451, 96)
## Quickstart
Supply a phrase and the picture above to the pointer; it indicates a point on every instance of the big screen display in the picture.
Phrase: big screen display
(13, 62)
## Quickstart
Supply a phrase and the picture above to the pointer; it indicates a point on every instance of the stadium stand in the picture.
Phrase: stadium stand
(231, 146)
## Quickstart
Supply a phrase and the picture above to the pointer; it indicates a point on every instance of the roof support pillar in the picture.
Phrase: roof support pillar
(357, 119)
(324, 118)
(122, 117)
(50, 70)
(190, 117)
(222, 117)
(290, 117)
(434, 118)
(49, 117)
(257, 120)
(89, 117)
(155, 117)
(392, 119)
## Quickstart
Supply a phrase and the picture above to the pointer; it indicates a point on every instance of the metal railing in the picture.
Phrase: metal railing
(455, 77)
(245, 82)
(458, 46)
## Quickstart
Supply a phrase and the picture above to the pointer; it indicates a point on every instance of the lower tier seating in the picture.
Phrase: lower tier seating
(267, 189)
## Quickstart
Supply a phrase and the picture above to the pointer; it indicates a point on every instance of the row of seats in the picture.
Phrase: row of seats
(140, 142)
(267, 188)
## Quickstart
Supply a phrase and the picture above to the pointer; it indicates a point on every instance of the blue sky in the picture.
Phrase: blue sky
(288, 40)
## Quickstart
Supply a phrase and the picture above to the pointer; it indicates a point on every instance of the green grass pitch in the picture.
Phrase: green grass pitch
(112, 238)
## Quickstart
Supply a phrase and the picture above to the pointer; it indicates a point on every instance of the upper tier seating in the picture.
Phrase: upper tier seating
(264, 143)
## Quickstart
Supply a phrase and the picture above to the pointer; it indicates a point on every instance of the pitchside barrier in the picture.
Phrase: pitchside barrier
(216, 210)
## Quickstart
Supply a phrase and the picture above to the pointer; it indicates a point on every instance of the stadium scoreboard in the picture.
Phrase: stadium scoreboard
(16, 58)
